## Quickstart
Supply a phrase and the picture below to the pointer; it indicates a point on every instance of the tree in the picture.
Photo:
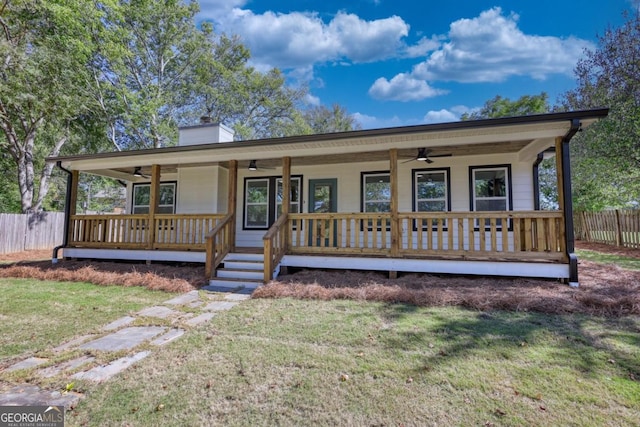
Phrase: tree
(44, 51)
(324, 120)
(504, 107)
(607, 154)
(255, 104)
(145, 67)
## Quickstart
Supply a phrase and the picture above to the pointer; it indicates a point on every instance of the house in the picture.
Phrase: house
(457, 198)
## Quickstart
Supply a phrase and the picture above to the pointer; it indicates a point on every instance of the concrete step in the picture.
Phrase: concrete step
(244, 265)
(233, 273)
(233, 284)
(244, 257)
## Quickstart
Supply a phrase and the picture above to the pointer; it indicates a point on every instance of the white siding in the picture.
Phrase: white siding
(349, 186)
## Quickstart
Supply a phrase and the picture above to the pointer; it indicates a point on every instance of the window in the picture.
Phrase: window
(263, 200)
(431, 192)
(376, 192)
(490, 188)
(166, 198)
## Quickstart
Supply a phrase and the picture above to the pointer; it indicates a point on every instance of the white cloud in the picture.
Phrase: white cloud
(488, 48)
(312, 100)
(491, 48)
(424, 46)
(403, 87)
(371, 122)
(301, 39)
(441, 116)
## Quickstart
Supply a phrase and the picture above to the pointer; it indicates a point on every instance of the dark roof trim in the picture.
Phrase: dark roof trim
(483, 123)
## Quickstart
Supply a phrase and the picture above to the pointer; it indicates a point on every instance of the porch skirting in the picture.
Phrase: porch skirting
(436, 266)
(135, 255)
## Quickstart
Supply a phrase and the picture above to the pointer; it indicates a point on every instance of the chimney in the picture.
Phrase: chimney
(206, 132)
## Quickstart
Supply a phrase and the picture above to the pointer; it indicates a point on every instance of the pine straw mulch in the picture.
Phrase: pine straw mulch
(604, 290)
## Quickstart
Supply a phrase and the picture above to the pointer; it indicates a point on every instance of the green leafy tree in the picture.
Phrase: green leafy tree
(607, 154)
(44, 51)
(504, 107)
(327, 120)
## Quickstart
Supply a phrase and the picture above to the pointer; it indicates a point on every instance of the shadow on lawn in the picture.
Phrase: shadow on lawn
(586, 343)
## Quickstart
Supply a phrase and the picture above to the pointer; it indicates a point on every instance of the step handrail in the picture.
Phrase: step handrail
(275, 246)
(218, 244)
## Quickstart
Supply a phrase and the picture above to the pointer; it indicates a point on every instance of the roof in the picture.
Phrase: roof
(523, 134)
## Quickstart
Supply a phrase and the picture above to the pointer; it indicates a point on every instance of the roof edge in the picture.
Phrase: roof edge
(433, 127)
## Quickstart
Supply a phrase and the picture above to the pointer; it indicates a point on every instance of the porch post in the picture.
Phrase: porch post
(395, 225)
(73, 201)
(232, 201)
(153, 204)
(286, 194)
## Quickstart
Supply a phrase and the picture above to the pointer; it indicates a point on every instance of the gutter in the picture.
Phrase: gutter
(67, 214)
(568, 204)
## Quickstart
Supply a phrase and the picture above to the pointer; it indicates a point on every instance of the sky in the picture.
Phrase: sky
(408, 62)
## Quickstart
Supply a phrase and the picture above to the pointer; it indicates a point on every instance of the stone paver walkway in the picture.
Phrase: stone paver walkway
(119, 335)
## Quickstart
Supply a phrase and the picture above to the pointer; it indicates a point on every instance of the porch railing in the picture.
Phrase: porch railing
(218, 244)
(494, 235)
(179, 231)
(275, 246)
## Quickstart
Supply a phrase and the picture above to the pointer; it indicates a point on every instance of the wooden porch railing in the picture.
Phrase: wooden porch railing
(275, 246)
(179, 231)
(218, 244)
(490, 235)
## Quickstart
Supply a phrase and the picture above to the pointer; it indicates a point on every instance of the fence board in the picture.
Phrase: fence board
(20, 232)
(614, 227)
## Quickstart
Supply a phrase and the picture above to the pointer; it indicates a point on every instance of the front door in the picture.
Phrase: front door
(323, 198)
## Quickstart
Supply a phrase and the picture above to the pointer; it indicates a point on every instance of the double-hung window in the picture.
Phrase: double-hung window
(376, 197)
(376, 192)
(431, 193)
(142, 198)
(490, 188)
(263, 200)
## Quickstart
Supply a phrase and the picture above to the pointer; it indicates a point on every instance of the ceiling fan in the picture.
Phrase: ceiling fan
(253, 166)
(424, 155)
(137, 172)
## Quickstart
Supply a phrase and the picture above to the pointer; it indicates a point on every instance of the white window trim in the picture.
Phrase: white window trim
(507, 192)
(445, 199)
(297, 203)
(247, 204)
(366, 175)
(162, 184)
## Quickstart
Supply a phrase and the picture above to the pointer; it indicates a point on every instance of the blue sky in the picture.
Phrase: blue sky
(400, 62)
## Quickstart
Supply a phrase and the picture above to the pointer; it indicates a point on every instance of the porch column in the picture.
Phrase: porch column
(154, 193)
(395, 225)
(286, 193)
(73, 201)
(232, 201)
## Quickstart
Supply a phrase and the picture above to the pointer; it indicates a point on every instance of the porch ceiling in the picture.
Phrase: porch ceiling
(126, 173)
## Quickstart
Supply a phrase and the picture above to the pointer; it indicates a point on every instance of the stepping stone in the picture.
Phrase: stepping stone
(168, 337)
(195, 304)
(27, 364)
(73, 343)
(157, 311)
(204, 317)
(69, 365)
(245, 291)
(123, 321)
(32, 395)
(237, 297)
(222, 289)
(103, 373)
(124, 339)
(220, 305)
(183, 299)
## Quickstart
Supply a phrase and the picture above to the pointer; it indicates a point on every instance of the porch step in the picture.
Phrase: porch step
(240, 270)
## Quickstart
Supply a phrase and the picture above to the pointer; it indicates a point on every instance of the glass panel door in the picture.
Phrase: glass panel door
(323, 197)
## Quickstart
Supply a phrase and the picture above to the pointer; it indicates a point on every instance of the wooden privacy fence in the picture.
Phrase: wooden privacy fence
(23, 232)
(614, 227)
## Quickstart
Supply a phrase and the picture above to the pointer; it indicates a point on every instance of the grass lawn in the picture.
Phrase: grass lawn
(292, 362)
(608, 258)
(37, 315)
